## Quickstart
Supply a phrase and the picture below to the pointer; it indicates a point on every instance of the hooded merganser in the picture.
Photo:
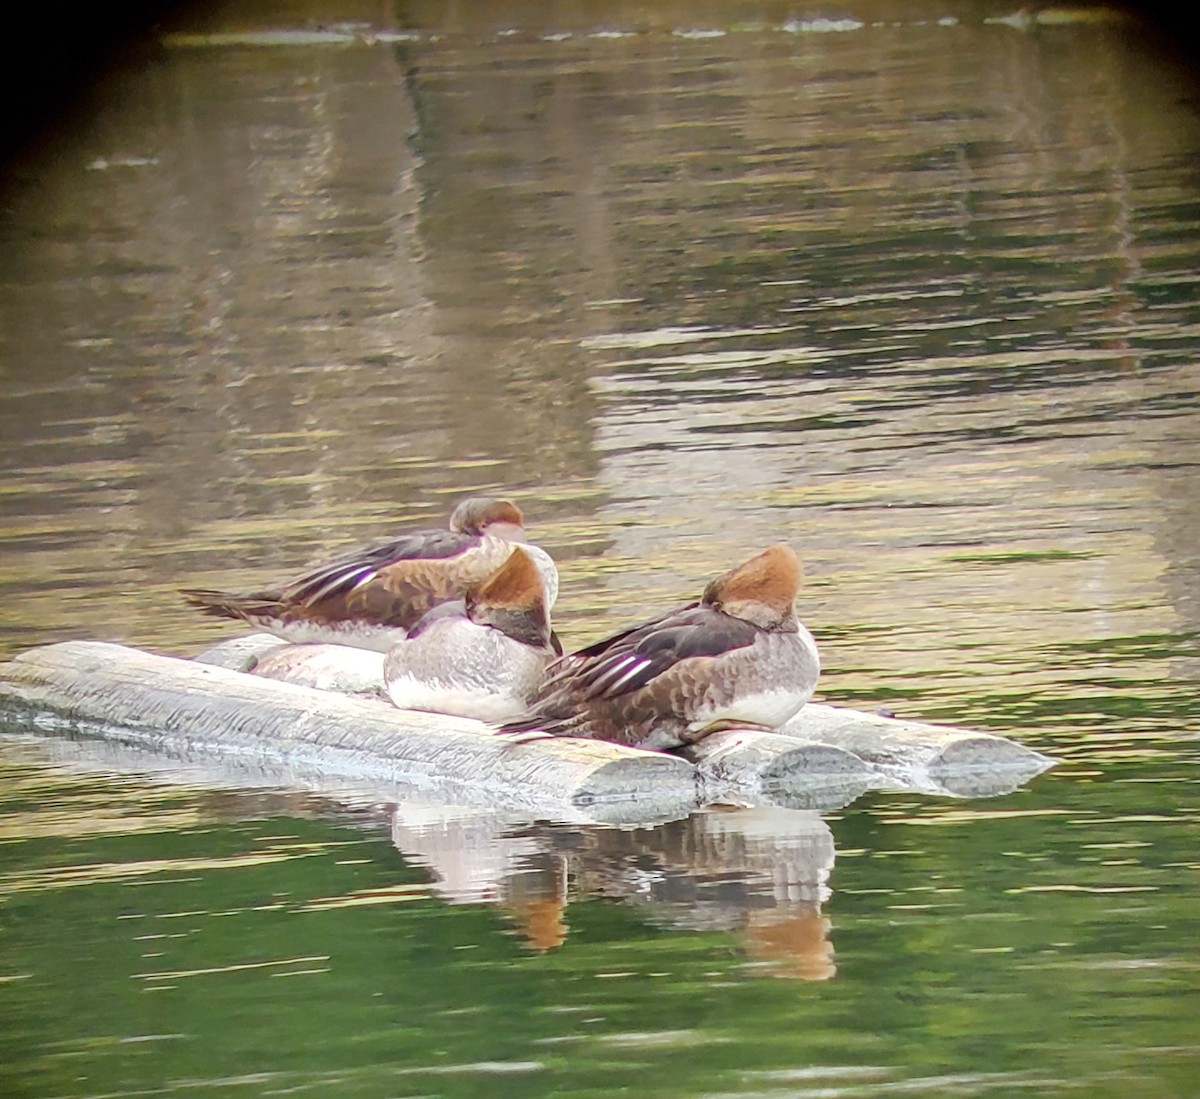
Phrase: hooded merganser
(482, 656)
(371, 598)
(737, 657)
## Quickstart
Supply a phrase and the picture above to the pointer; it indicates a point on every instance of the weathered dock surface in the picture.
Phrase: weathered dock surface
(93, 689)
(823, 758)
(914, 755)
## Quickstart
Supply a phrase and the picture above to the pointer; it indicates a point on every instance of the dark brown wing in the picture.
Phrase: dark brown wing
(345, 573)
(629, 661)
(391, 584)
(577, 662)
(222, 604)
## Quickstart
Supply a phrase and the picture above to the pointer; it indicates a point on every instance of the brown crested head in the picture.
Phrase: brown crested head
(475, 514)
(513, 600)
(515, 585)
(761, 590)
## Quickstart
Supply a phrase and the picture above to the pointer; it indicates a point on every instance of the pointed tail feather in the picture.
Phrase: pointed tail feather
(222, 604)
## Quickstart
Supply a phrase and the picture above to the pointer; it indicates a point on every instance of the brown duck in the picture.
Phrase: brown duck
(371, 598)
(738, 657)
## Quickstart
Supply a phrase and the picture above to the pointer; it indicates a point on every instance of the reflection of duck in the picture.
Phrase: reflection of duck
(371, 597)
(482, 656)
(738, 657)
(761, 873)
(793, 942)
(535, 899)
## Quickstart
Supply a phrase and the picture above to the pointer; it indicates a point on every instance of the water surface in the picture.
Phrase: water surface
(912, 287)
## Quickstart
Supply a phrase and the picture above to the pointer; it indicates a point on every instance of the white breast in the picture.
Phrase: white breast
(778, 676)
(456, 667)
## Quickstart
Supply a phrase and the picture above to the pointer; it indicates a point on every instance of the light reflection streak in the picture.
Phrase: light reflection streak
(1098, 890)
(65, 877)
(233, 967)
(393, 895)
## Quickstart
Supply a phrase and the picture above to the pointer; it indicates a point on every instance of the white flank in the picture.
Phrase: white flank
(457, 667)
(358, 635)
(768, 708)
(786, 681)
(483, 705)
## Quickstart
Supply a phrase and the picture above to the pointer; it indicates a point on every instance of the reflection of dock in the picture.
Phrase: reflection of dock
(760, 873)
(758, 870)
(728, 839)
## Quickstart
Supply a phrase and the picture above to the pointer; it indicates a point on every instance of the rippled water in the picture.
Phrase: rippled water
(913, 287)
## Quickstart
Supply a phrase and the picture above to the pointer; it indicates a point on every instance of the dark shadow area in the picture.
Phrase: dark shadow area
(69, 49)
(1169, 34)
(73, 46)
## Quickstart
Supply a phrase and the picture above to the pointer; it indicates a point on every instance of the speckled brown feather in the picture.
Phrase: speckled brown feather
(404, 591)
(396, 596)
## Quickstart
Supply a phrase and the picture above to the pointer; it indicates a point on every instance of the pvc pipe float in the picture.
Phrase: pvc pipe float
(822, 759)
(913, 755)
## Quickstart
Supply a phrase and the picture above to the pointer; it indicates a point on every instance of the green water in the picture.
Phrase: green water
(915, 291)
(174, 942)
